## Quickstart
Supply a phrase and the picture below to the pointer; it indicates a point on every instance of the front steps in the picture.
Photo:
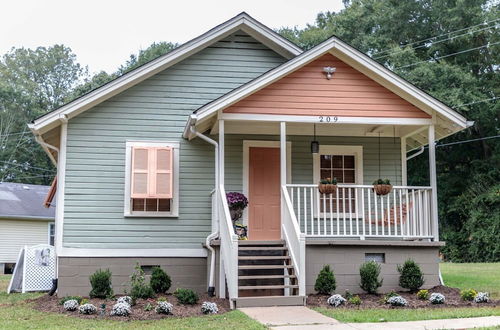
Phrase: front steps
(266, 275)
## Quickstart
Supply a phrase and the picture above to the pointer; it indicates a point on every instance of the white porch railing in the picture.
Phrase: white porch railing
(228, 246)
(295, 241)
(355, 211)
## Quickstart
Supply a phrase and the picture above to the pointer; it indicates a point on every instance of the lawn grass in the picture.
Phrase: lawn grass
(400, 314)
(478, 276)
(16, 313)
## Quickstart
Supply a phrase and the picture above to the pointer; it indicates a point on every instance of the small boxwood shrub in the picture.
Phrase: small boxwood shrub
(356, 300)
(139, 288)
(88, 309)
(120, 309)
(482, 297)
(77, 298)
(397, 301)
(411, 276)
(186, 296)
(423, 294)
(209, 308)
(325, 282)
(148, 307)
(164, 307)
(70, 305)
(437, 298)
(336, 300)
(468, 294)
(369, 272)
(101, 284)
(160, 281)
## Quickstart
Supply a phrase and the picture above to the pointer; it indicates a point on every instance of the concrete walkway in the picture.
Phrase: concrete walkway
(300, 317)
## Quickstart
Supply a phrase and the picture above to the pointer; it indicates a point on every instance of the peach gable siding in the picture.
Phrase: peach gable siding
(307, 92)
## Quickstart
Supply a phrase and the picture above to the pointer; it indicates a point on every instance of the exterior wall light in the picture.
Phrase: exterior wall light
(314, 143)
(329, 70)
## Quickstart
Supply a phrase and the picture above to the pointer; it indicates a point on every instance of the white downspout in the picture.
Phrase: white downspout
(420, 151)
(215, 223)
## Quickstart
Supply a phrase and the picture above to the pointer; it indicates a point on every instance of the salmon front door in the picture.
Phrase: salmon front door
(264, 215)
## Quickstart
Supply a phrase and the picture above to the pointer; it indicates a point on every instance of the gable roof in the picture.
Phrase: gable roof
(348, 54)
(242, 21)
(24, 202)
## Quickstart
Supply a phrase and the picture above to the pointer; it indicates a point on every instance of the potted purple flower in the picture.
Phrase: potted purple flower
(237, 202)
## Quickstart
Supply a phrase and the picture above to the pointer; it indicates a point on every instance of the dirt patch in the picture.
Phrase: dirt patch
(51, 304)
(452, 296)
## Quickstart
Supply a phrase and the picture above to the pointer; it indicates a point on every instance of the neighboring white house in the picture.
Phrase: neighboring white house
(23, 220)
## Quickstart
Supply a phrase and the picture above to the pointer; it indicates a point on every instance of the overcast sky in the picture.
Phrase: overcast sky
(103, 33)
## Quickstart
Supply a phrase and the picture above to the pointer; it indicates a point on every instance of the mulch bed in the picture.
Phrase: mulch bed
(51, 304)
(369, 301)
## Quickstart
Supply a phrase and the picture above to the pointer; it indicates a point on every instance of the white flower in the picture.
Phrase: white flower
(482, 297)
(70, 305)
(397, 301)
(437, 298)
(125, 300)
(164, 307)
(121, 309)
(336, 300)
(87, 309)
(209, 308)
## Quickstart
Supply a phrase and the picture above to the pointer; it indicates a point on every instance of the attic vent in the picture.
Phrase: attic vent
(377, 257)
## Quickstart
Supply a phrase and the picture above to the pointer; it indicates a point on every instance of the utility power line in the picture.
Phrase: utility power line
(444, 34)
(448, 55)
(467, 141)
(433, 43)
(480, 101)
(30, 166)
(10, 134)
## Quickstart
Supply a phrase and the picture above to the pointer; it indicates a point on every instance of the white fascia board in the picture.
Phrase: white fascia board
(136, 253)
(242, 21)
(332, 45)
(340, 120)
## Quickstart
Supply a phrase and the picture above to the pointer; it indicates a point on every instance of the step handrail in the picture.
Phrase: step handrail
(229, 246)
(295, 240)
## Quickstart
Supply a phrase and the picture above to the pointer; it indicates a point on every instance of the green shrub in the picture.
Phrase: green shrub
(84, 301)
(356, 300)
(411, 276)
(160, 281)
(369, 272)
(139, 288)
(186, 296)
(77, 298)
(468, 294)
(101, 284)
(325, 282)
(423, 294)
(148, 307)
(348, 295)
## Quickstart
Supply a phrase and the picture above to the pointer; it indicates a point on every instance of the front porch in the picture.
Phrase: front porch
(352, 212)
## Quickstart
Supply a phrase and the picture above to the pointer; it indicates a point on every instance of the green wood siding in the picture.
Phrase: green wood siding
(302, 163)
(155, 110)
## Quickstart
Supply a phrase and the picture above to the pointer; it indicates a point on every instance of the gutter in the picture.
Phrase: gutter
(28, 218)
(215, 224)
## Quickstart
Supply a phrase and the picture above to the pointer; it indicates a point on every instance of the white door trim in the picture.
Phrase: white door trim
(247, 144)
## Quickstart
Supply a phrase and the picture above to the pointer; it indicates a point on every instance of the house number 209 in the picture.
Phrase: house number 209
(328, 119)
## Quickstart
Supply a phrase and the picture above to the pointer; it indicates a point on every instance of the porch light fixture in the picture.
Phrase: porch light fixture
(314, 143)
(329, 70)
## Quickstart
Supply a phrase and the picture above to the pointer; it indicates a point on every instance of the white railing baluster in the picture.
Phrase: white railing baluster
(343, 210)
(414, 212)
(363, 228)
(318, 213)
(401, 212)
(369, 212)
(305, 210)
(311, 192)
(376, 212)
(338, 210)
(350, 211)
(331, 214)
(299, 218)
(382, 214)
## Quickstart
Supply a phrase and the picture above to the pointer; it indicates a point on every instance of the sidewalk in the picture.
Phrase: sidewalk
(300, 317)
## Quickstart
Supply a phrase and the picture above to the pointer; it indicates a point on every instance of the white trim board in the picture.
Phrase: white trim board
(137, 253)
(242, 21)
(247, 144)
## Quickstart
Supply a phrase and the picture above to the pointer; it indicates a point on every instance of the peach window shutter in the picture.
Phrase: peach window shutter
(161, 170)
(140, 172)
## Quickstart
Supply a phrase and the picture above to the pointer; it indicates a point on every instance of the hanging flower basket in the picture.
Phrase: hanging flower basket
(327, 186)
(382, 187)
(237, 202)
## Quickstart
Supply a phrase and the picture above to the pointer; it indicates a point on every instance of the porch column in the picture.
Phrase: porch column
(283, 168)
(433, 182)
(404, 171)
(221, 152)
(222, 272)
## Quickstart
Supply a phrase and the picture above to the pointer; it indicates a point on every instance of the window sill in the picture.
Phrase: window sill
(150, 215)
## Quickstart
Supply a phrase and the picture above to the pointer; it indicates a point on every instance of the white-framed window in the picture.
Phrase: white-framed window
(151, 179)
(345, 163)
(52, 233)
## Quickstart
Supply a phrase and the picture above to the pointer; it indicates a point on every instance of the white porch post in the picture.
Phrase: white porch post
(404, 170)
(433, 182)
(283, 168)
(222, 273)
